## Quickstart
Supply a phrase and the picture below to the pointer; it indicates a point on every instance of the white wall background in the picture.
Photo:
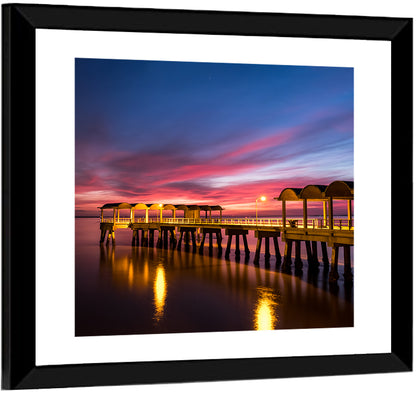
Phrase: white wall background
(403, 383)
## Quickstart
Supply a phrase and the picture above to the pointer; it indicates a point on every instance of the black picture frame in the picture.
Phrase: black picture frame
(20, 22)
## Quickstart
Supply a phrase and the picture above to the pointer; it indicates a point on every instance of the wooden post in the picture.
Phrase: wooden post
(267, 248)
(173, 240)
(201, 246)
(102, 216)
(349, 214)
(114, 215)
(305, 213)
(187, 239)
(219, 239)
(284, 213)
(315, 254)
(237, 245)
(258, 247)
(333, 274)
(210, 241)
(331, 213)
(145, 237)
(324, 255)
(165, 238)
(227, 250)
(347, 264)
(309, 252)
(325, 214)
(147, 215)
(298, 259)
(277, 251)
(159, 239)
(151, 237)
(180, 239)
(246, 249)
(102, 236)
(287, 260)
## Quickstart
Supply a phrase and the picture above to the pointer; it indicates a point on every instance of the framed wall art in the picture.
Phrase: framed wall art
(204, 196)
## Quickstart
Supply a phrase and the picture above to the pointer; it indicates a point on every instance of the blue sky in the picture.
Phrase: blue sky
(182, 132)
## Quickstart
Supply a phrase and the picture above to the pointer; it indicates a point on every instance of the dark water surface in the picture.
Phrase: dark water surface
(137, 290)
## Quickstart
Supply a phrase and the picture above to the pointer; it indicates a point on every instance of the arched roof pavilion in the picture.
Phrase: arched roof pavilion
(118, 205)
(116, 209)
(210, 208)
(288, 194)
(342, 190)
(314, 192)
(158, 206)
(192, 210)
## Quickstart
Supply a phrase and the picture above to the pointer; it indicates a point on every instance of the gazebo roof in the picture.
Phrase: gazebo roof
(313, 191)
(337, 189)
(118, 205)
(155, 206)
(340, 190)
(289, 194)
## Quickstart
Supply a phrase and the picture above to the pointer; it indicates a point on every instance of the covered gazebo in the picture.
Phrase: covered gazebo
(288, 194)
(139, 206)
(190, 211)
(340, 190)
(313, 192)
(116, 210)
(209, 208)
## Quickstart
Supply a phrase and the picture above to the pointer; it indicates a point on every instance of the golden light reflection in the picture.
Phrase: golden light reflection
(131, 275)
(160, 290)
(265, 316)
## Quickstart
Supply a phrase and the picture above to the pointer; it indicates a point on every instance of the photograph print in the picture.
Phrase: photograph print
(212, 197)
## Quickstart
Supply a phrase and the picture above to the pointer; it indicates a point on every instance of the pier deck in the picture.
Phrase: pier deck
(342, 231)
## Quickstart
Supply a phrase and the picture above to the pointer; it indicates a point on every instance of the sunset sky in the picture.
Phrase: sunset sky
(208, 133)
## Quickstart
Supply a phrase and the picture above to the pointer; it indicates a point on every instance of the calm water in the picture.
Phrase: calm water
(136, 290)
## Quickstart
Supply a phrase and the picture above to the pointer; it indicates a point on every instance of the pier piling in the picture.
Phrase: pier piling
(347, 264)
(298, 260)
(287, 260)
(325, 260)
(333, 274)
(236, 232)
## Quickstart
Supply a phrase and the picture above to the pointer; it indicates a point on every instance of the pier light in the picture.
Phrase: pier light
(262, 198)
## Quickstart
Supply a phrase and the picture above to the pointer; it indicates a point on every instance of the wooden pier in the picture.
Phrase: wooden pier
(173, 232)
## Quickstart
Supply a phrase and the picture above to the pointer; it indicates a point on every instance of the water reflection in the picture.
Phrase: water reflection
(265, 315)
(160, 291)
(205, 293)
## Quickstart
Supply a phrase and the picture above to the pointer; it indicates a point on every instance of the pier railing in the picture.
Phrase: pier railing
(338, 223)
